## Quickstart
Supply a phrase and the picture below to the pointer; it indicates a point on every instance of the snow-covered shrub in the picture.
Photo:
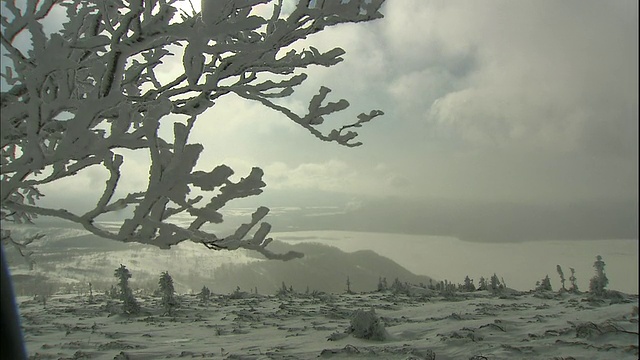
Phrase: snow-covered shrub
(562, 279)
(468, 285)
(204, 295)
(349, 286)
(574, 281)
(495, 285)
(129, 303)
(447, 289)
(367, 325)
(91, 297)
(598, 283)
(398, 287)
(238, 294)
(285, 291)
(482, 284)
(382, 284)
(167, 293)
(544, 285)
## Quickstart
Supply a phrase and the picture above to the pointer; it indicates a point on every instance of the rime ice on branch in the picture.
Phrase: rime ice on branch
(76, 97)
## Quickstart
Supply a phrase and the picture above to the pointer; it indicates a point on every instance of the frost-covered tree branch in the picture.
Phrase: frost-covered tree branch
(76, 97)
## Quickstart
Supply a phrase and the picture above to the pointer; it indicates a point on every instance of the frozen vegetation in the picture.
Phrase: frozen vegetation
(408, 323)
(79, 97)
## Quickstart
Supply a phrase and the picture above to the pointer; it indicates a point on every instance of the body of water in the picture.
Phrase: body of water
(520, 264)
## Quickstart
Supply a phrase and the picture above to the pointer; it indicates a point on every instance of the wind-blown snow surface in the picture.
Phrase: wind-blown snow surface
(521, 326)
(520, 264)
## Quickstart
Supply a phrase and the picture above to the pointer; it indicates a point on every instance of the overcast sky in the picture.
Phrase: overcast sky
(498, 114)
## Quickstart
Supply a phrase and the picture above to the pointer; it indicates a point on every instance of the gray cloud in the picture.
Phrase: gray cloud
(521, 116)
(544, 74)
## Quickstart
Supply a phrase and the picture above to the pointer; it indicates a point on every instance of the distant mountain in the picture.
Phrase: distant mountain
(323, 268)
(72, 258)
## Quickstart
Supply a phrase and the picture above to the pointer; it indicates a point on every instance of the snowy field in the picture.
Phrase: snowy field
(470, 326)
(422, 326)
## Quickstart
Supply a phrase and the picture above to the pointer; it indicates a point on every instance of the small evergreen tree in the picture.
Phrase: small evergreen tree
(599, 281)
(167, 291)
(573, 280)
(544, 285)
(283, 290)
(398, 287)
(482, 284)
(468, 284)
(91, 299)
(129, 304)
(447, 289)
(562, 279)
(204, 295)
(349, 286)
(494, 283)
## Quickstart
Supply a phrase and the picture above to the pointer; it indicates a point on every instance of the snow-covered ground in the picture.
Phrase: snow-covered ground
(298, 327)
(521, 326)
